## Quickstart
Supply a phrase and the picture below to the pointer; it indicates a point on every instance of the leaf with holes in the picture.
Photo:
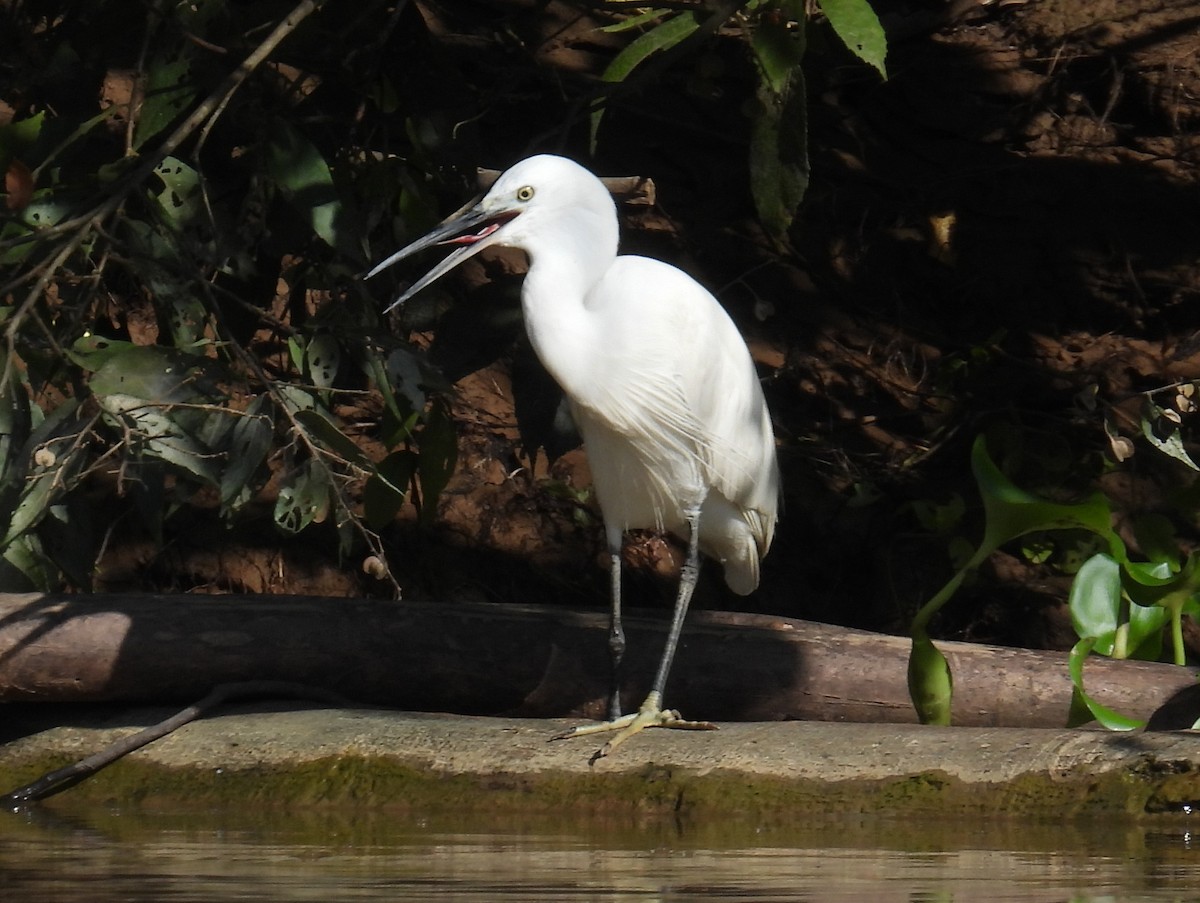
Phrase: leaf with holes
(860, 30)
(304, 497)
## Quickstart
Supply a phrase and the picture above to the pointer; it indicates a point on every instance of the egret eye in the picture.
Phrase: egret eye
(525, 193)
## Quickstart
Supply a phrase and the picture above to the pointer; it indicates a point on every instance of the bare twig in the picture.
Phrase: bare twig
(60, 779)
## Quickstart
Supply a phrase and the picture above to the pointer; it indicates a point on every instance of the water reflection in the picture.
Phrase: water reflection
(108, 855)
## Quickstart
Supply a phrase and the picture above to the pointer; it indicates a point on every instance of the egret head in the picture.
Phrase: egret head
(541, 202)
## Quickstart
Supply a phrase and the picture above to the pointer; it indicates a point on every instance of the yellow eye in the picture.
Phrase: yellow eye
(525, 193)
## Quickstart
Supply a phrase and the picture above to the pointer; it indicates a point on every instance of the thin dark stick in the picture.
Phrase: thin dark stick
(60, 779)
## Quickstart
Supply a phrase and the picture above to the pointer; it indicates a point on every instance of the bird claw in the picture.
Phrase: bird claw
(649, 715)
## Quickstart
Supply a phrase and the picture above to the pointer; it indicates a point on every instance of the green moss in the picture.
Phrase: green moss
(650, 793)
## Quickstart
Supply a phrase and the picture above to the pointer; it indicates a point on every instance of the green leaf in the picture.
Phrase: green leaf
(859, 28)
(387, 489)
(437, 457)
(663, 36)
(779, 167)
(304, 497)
(44, 481)
(248, 447)
(24, 567)
(930, 683)
(323, 356)
(1172, 445)
(16, 138)
(322, 429)
(179, 200)
(306, 182)
(170, 88)
(1012, 512)
(1095, 599)
(779, 51)
(1107, 717)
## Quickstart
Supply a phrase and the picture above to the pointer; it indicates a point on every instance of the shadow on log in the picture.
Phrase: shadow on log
(522, 660)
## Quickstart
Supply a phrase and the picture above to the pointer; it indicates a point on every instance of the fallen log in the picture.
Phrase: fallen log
(523, 660)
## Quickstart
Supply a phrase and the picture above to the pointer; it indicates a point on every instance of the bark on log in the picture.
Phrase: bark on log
(522, 660)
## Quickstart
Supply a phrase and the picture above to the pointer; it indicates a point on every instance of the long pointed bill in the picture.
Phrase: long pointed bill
(473, 231)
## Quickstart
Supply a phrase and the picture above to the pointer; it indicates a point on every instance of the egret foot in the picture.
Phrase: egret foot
(651, 714)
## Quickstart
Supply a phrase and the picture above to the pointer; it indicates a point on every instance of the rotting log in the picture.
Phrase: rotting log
(536, 661)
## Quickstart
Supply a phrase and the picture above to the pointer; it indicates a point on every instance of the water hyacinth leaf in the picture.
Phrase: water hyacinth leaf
(304, 498)
(860, 30)
(930, 683)
(306, 182)
(1011, 512)
(1107, 717)
(1095, 599)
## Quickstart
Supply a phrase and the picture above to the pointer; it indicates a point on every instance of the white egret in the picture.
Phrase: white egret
(659, 380)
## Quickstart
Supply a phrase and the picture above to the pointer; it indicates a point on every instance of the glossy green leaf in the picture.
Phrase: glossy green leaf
(1095, 598)
(930, 683)
(1107, 717)
(1011, 512)
(859, 28)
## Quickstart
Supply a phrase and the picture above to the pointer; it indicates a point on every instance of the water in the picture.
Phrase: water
(101, 855)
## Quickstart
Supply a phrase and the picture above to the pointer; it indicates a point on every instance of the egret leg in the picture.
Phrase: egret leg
(616, 633)
(651, 713)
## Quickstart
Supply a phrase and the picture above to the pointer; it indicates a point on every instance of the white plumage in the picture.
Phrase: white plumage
(660, 383)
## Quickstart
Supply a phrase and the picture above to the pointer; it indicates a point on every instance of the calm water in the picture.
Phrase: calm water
(110, 855)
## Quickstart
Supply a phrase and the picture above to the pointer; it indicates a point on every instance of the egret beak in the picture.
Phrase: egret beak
(473, 231)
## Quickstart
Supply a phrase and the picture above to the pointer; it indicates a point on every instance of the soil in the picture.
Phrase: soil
(1001, 238)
